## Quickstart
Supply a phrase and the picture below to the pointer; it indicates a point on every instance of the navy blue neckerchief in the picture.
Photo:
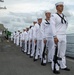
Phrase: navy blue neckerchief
(47, 22)
(62, 18)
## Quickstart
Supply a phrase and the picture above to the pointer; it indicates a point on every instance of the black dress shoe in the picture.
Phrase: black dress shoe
(43, 64)
(35, 59)
(23, 51)
(56, 72)
(28, 54)
(66, 69)
(31, 56)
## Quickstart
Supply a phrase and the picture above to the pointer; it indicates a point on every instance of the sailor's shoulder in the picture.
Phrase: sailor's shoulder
(25, 32)
(43, 21)
(53, 15)
(36, 24)
(32, 27)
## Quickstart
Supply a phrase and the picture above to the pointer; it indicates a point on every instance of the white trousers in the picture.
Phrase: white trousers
(17, 41)
(50, 48)
(14, 40)
(29, 48)
(39, 49)
(25, 50)
(61, 52)
(20, 43)
(23, 45)
(33, 48)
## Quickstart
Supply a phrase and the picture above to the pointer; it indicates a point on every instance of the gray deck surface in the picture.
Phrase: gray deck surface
(14, 62)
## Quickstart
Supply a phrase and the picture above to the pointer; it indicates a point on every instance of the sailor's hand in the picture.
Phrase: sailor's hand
(56, 40)
(45, 41)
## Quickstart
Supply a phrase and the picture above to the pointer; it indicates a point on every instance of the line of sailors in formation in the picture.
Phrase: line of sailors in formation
(45, 34)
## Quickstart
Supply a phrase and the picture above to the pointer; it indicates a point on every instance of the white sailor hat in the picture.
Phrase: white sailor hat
(47, 11)
(35, 20)
(39, 17)
(59, 3)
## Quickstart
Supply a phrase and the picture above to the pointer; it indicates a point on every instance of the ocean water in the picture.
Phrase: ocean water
(70, 46)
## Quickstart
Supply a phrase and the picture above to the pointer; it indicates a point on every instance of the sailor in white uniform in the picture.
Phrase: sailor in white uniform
(47, 38)
(20, 39)
(27, 39)
(17, 37)
(38, 37)
(32, 38)
(23, 40)
(11, 36)
(59, 25)
(14, 37)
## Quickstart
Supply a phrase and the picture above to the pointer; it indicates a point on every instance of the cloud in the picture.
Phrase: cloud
(21, 13)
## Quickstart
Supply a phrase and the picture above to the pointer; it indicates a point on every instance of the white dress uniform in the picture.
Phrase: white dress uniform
(48, 35)
(26, 39)
(23, 40)
(14, 36)
(17, 38)
(33, 43)
(39, 37)
(59, 26)
(31, 40)
(29, 34)
(20, 39)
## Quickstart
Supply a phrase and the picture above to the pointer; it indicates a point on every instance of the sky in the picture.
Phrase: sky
(21, 13)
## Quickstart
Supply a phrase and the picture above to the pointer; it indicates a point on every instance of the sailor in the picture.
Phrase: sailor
(31, 41)
(11, 36)
(20, 39)
(14, 37)
(47, 38)
(32, 38)
(59, 24)
(38, 39)
(28, 42)
(27, 39)
(17, 37)
(29, 36)
(23, 40)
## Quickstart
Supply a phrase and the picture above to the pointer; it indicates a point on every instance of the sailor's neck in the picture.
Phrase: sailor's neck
(39, 23)
(59, 12)
(47, 19)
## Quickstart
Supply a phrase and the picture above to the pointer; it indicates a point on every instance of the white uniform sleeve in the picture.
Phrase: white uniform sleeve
(23, 36)
(43, 30)
(34, 32)
(27, 36)
(30, 34)
(53, 23)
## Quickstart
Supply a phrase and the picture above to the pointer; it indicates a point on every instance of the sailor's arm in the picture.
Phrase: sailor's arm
(43, 32)
(53, 24)
(35, 34)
